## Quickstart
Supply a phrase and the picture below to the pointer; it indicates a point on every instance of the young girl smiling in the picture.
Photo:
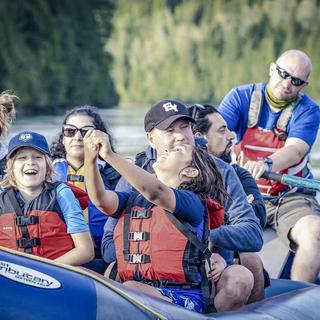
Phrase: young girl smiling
(156, 249)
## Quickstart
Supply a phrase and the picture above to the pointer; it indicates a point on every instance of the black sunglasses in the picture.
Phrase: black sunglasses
(195, 109)
(70, 131)
(297, 82)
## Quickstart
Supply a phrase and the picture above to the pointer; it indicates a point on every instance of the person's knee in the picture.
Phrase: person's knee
(252, 262)
(236, 282)
(306, 230)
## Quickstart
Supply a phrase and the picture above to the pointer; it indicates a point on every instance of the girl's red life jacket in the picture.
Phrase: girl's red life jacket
(152, 245)
(39, 228)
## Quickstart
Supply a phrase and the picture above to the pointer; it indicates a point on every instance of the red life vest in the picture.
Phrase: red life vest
(39, 229)
(153, 246)
(258, 143)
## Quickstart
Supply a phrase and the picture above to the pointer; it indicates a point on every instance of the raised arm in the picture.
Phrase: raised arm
(147, 184)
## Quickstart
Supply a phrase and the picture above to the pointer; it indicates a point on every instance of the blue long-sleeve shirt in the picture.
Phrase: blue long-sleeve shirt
(250, 187)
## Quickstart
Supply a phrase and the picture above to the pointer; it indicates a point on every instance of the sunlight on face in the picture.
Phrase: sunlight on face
(175, 160)
(29, 169)
(178, 133)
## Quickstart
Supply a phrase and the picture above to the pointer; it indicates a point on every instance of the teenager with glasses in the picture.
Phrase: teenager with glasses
(68, 155)
(276, 126)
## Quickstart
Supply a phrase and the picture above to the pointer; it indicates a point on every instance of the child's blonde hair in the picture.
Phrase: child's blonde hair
(9, 180)
(7, 111)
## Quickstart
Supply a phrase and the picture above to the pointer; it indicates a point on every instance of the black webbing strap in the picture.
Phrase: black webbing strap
(23, 228)
(114, 271)
(206, 253)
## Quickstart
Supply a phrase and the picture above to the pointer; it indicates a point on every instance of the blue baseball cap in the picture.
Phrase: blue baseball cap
(28, 139)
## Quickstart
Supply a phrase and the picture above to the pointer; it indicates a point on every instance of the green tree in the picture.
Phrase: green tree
(52, 53)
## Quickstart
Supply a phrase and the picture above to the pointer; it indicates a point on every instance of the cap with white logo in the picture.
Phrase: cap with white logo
(28, 139)
(162, 114)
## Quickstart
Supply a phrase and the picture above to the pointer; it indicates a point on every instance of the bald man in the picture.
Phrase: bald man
(276, 125)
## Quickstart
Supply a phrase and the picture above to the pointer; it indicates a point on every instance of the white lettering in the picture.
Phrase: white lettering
(169, 106)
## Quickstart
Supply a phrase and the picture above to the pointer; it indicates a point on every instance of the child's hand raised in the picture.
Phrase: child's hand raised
(96, 142)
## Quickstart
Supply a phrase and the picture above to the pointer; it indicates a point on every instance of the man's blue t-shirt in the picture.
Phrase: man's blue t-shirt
(304, 123)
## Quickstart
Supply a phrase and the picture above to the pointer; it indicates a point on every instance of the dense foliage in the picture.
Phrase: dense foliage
(52, 53)
(198, 50)
(57, 54)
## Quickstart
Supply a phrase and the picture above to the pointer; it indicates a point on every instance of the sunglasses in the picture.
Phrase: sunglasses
(297, 82)
(195, 109)
(70, 131)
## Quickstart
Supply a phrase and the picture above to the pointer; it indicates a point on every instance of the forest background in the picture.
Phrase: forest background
(56, 54)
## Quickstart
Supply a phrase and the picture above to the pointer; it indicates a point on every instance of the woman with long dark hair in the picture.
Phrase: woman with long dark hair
(68, 155)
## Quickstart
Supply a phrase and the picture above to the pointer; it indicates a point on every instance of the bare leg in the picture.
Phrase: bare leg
(253, 262)
(142, 287)
(306, 234)
(233, 288)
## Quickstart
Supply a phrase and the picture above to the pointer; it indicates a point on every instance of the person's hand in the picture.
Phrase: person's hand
(250, 198)
(256, 168)
(91, 147)
(218, 264)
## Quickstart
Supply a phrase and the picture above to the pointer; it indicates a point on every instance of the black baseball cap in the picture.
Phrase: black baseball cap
(162, 114)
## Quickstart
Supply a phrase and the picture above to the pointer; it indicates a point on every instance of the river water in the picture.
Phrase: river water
(126, 127)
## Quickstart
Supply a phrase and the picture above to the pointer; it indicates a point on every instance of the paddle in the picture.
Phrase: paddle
(293, 180)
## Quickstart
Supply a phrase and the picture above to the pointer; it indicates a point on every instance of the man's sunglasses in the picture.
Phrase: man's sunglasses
(297, 82)
(70, 131)
(195, 110)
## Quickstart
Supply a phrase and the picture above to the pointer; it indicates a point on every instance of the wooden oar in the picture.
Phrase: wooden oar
(293, 180)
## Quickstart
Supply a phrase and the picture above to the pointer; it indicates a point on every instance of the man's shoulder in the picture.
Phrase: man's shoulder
(246, 88)
(306, 100)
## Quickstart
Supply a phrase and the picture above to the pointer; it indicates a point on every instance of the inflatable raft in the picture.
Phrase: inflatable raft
(38, 288)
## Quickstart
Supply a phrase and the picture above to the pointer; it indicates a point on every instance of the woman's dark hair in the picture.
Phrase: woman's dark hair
(199, 113)
(57, 147)
(209, 183)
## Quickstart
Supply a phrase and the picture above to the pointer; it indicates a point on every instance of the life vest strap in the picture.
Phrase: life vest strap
(75, 178)
(139, 236)
(26, 243)
(137, 258)
(26, 220)
(171, 284)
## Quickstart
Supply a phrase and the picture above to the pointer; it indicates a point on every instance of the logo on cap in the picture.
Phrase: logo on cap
(25, 137)
(169, 106)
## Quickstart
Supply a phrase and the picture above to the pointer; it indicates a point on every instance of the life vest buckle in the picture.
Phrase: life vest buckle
(137, 258)
(28, 243)
(75, 178)
(139, 236)
(141, 213)
(26, 220)
(280, 134)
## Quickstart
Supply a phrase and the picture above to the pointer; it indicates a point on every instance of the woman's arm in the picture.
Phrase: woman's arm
(97, 142)
(82, 252)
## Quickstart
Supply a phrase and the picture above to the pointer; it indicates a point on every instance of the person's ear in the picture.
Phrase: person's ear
(150, 139)
(190, 172)
(272, 68)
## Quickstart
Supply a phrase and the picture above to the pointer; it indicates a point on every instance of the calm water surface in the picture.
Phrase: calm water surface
(127, 128)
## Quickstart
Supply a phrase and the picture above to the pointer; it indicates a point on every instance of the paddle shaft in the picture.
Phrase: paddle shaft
(293, 180)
